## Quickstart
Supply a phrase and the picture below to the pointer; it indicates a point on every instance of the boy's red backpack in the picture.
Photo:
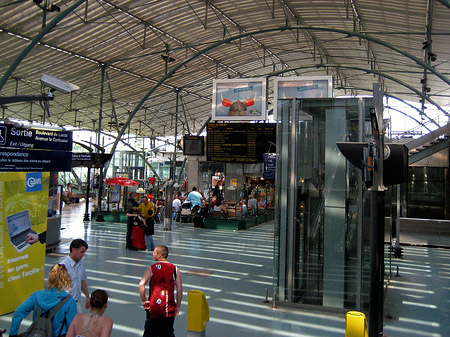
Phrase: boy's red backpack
(162, 285)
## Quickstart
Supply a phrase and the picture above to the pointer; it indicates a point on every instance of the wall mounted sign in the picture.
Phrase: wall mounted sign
(239, 99)
(35, 139)
(239, 142)
(301, 87)
(18, 160)
(89, 159)
(34, 149)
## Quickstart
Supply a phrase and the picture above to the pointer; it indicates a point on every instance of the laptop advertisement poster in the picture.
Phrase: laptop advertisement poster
(23, 210)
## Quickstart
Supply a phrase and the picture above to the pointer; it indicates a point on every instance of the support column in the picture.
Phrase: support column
(100, 178)
(377, 216)
(87, 215)
(192, 173)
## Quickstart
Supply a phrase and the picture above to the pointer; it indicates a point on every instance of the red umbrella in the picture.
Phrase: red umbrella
(121, 181)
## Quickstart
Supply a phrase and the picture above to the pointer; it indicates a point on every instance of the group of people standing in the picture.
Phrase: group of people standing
(65, 283)
(141, 218)
(141, 225)
(68, 279)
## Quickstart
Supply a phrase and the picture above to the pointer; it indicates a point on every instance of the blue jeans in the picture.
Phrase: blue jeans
(149, 242)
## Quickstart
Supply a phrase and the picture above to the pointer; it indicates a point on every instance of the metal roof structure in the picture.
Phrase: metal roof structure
(147, 67)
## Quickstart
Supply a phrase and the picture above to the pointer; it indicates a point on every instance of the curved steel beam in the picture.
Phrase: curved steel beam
(87, 147)
(36, 39)
(419, 123)
(417, 92)
(375, 72)
(124, 143)
(414, 108)
(445, 3)
(283, 28)
(142, 157)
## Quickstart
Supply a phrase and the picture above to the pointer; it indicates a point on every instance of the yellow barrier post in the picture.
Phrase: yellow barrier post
(355, 324)
(197, 314)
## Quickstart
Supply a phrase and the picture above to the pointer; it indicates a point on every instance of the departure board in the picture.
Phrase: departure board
(239, 142)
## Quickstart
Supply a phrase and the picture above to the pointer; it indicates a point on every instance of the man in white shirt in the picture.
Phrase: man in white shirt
(176, 206)
(252, 204)
(77, 271)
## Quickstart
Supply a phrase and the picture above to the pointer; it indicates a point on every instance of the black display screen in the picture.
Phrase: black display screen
(239, 142)
(193, 145)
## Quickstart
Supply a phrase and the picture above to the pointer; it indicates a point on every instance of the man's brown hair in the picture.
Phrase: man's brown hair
(163, 250)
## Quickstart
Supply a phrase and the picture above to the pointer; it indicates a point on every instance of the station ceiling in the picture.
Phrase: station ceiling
(134, 60)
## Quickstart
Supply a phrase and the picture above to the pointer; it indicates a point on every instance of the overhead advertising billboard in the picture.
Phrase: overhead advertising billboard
(301, 87)
(239, 99)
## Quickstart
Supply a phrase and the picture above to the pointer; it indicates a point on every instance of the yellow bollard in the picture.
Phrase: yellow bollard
(197, 314)
(355, 324)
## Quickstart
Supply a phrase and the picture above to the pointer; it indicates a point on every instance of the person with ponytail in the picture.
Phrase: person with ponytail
(93, 324)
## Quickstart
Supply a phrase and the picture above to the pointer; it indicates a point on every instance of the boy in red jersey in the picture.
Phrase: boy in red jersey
(163, 277)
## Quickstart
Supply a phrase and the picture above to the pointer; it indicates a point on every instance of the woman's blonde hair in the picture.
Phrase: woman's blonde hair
(59, 278)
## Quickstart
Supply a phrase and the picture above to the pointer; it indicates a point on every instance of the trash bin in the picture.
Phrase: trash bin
(197, 314)
(355, 324)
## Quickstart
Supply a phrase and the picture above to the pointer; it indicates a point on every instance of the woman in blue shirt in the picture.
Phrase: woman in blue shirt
(55, 291)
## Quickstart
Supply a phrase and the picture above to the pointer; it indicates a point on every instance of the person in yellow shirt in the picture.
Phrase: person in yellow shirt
(147, 210)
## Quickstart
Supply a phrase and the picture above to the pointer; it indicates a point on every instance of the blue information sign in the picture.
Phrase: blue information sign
(34, 139)
(18, 160)
(270, 165)
(33, 149)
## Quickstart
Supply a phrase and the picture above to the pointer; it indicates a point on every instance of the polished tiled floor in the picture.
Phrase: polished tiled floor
(234, 269)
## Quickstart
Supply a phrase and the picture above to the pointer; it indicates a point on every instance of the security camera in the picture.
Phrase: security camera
(57, 84)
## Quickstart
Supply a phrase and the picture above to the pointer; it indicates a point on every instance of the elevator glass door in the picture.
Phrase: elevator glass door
(321, 240)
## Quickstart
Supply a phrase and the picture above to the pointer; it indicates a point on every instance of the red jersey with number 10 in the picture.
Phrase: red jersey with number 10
(162, 286)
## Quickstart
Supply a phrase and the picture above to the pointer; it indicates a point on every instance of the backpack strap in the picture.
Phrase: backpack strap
(55, 309)
(38, 309)
(62, 325)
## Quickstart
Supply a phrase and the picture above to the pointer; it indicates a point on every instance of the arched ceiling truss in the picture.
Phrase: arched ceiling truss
(150, 50)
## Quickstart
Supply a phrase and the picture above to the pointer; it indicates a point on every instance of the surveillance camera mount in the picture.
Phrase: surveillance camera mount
(57, 84)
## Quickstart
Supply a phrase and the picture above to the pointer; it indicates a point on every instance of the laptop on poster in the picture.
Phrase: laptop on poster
(19, 225)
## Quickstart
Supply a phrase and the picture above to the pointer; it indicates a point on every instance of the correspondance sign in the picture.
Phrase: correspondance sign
(33, 149)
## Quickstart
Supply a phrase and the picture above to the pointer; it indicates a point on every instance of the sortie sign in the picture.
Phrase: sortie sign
(26, 149)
